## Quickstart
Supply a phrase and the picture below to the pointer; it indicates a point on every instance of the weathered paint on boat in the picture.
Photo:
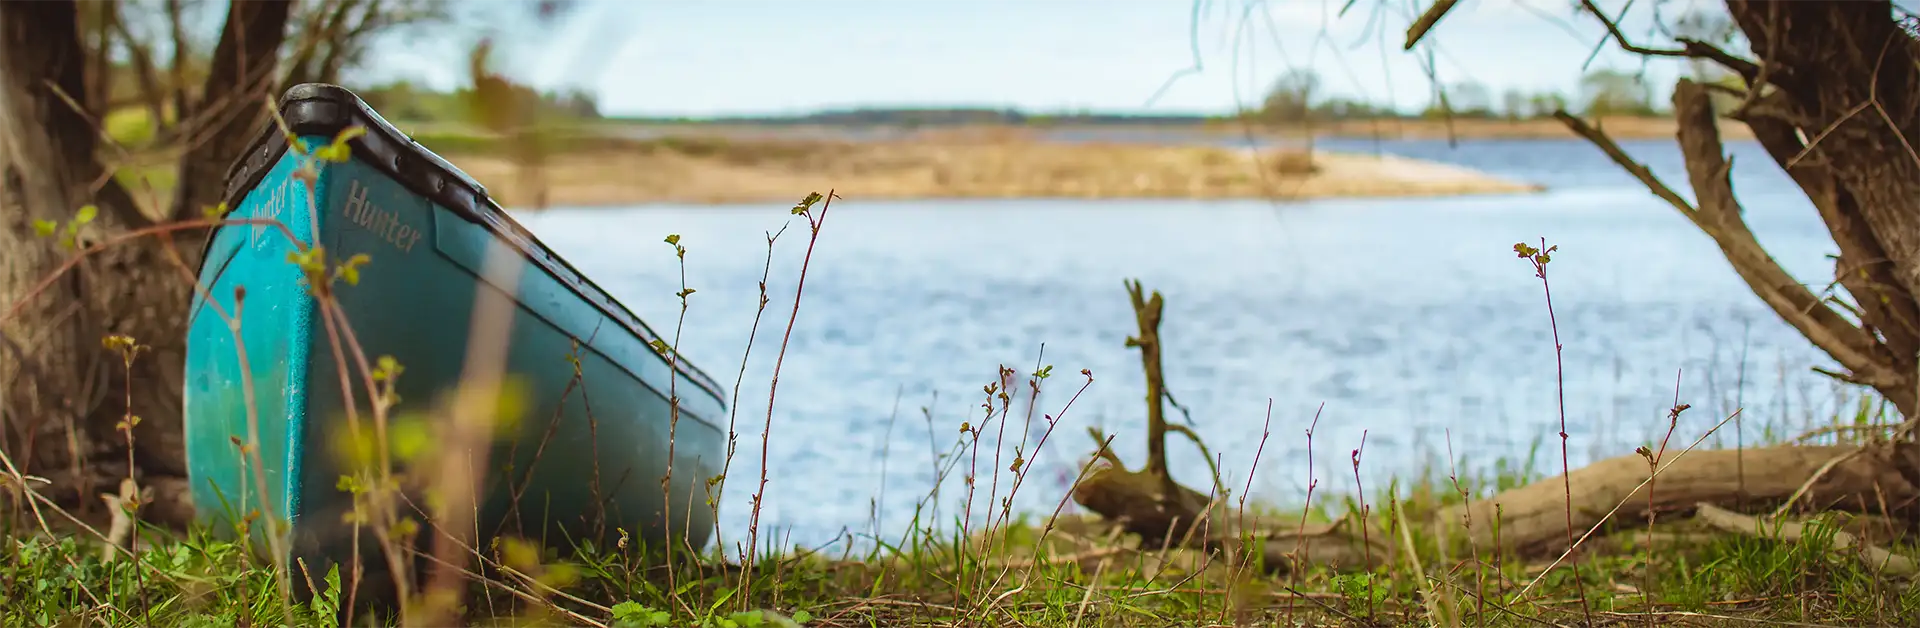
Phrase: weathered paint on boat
(427, 229)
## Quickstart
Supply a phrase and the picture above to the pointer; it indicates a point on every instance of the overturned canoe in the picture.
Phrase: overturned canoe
(592, 430)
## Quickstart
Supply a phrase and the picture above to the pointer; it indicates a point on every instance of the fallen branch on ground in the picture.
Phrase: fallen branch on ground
(1531, 517)
(1878, 559)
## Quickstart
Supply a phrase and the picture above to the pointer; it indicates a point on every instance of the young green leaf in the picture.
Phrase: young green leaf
(806, 203)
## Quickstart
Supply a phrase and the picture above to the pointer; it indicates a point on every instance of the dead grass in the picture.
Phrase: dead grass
(956, 164)
(1467, 129)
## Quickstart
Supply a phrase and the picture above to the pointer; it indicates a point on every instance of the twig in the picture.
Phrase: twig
(1616, 508)
(1427, 21)
(1887, 563)
(1833, 430)
(1816, 477)
(1540, 258)
(135, 234)
(759, 494)
(1693, 615)
(1435, 610)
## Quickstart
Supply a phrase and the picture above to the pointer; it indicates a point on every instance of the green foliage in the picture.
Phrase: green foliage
(312, 262)
(680, 251)
(338, 151)
(199, 581)
(131, 127)
(1361, 589)
(326, 605)
(70, 232)
(408, 101)
(193, 581)
(349, 271)
(1538, 257)
(631, 614)
(1291, 99)
(805, 206)
(1615, 93)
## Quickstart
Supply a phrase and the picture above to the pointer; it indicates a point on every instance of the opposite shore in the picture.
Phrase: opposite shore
(1463, 128)
(730, 166)
(616, 163)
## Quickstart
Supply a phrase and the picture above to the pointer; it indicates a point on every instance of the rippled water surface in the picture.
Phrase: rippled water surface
(1410, 319)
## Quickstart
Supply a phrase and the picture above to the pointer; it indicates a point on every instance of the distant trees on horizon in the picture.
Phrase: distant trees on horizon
(406, 100)
(1295, 99)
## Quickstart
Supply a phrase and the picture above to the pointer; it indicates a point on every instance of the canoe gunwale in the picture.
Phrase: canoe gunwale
(325, 110)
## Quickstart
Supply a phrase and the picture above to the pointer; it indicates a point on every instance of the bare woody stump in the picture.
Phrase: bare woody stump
(1146, 502)
(1165, 514)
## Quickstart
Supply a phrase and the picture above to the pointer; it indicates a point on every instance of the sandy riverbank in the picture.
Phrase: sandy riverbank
(1462, 129)
(1468, 129)
(715, 169)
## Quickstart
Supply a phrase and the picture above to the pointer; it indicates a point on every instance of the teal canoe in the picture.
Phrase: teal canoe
(597, 432)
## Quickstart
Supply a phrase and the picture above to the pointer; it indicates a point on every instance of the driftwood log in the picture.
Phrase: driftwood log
(1166, 515)
(1878, 560)
(1533, 518)
(1800, 103)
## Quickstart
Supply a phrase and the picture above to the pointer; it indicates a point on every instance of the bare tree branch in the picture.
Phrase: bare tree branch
(1426, 22)
(140, 54)
(176, 25)
(228, 113)
(1864, 268)
(1689, 47)
(1719, 216)
(321, 28)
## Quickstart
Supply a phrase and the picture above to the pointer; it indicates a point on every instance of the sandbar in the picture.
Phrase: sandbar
(733, 169)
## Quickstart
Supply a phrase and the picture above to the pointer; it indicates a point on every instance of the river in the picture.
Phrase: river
(1411, 320)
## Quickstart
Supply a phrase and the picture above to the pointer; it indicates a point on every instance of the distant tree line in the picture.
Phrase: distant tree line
(934, 117)
(409, 101)
(1295, 98)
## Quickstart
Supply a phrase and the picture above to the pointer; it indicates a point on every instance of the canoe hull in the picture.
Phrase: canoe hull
(589, 431)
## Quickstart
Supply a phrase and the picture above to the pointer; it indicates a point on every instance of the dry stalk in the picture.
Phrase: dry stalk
(759, 495)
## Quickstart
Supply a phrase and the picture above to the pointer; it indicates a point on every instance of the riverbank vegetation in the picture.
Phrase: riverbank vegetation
(1812, 530)
(1653, 536)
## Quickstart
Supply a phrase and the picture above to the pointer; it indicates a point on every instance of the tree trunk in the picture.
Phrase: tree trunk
(1844, 75)
(51, 377)
(61, 393)
(232, 104)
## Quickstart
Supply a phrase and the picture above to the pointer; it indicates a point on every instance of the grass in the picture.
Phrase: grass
(990, 566)
(934, 577)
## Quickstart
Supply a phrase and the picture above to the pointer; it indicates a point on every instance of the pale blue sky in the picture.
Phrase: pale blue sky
(654, 57)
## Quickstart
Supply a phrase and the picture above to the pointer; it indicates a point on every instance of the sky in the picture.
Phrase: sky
(743, 57)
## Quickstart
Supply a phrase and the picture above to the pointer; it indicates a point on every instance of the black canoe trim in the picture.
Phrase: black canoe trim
(325, 110)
